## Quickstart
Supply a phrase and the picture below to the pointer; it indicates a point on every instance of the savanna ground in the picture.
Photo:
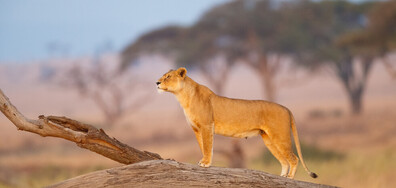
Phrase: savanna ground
(344, 150)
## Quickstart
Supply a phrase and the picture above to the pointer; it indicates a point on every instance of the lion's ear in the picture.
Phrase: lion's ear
(182, 72)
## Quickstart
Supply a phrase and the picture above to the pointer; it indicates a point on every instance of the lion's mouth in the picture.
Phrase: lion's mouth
(161, 90)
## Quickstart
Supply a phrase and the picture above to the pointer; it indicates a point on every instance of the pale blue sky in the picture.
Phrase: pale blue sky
(27, 28)
(79, 27)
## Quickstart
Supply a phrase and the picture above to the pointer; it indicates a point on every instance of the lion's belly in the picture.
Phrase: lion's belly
(238, 131)
(238, 118)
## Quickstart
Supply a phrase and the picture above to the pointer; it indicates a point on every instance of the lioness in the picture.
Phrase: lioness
(208, 113)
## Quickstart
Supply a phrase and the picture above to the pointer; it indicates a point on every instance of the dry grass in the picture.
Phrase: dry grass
(40, 176)
(356, 169)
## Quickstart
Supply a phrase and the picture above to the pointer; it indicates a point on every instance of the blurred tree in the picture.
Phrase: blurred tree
(201, 48)
(190, 47)
(312, 31)
(244, 31)
(235, 155)
(111, 90)
(379, 37)
(236, 31)
(165, 41)
(382, 24)
(258, 22)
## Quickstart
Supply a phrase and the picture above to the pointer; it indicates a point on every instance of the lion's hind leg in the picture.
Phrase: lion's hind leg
(277, 154)
(284, 148)
(293, 161)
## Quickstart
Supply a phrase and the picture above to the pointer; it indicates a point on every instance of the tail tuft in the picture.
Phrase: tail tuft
(313, 175)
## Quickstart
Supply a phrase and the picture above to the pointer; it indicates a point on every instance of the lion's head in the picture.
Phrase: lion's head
(172, 80)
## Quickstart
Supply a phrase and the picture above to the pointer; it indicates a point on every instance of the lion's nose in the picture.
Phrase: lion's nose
(158, 83)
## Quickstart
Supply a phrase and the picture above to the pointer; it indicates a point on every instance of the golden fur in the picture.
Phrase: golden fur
(208, 114)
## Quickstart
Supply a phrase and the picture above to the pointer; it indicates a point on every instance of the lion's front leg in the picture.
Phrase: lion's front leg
(198, 136)
(207, 142)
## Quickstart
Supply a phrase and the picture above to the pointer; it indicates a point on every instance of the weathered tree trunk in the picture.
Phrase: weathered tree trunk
(166, 173)
(268, 85)
(356, 101)
(267, 68)
(84, 135)
(267, 71)
(235, 155)
(354, 80)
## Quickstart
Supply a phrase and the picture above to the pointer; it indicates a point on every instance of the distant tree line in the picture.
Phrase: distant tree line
(342, 35)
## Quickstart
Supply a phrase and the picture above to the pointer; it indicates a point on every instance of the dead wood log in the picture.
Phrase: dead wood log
(166, 173)
(84, 135)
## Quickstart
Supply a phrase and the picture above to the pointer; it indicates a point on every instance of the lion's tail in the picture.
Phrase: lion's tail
(298, 146)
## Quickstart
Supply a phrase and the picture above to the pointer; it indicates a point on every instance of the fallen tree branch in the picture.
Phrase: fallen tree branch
(166, 173)
(84, 135)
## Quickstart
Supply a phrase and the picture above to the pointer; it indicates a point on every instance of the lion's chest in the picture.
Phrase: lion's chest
(189, 117)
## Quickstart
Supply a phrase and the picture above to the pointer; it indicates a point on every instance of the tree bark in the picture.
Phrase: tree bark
(166, 173)
(84, 135)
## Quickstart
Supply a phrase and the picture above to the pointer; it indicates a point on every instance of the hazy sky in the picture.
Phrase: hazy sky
(78, 27)
(28, 28)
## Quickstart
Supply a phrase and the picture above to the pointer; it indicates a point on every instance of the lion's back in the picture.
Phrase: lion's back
(239, 111)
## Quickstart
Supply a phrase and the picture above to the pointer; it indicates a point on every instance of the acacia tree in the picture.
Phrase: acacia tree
(190, 47)
(312, 31)
(200, 49)
(236, 31)
(245, 31)
(378, 39)
(165, 41)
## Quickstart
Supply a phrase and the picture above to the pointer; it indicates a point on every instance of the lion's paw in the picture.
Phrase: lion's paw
(204, 163)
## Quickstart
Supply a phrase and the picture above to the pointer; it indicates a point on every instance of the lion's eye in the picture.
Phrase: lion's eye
(168, 76)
